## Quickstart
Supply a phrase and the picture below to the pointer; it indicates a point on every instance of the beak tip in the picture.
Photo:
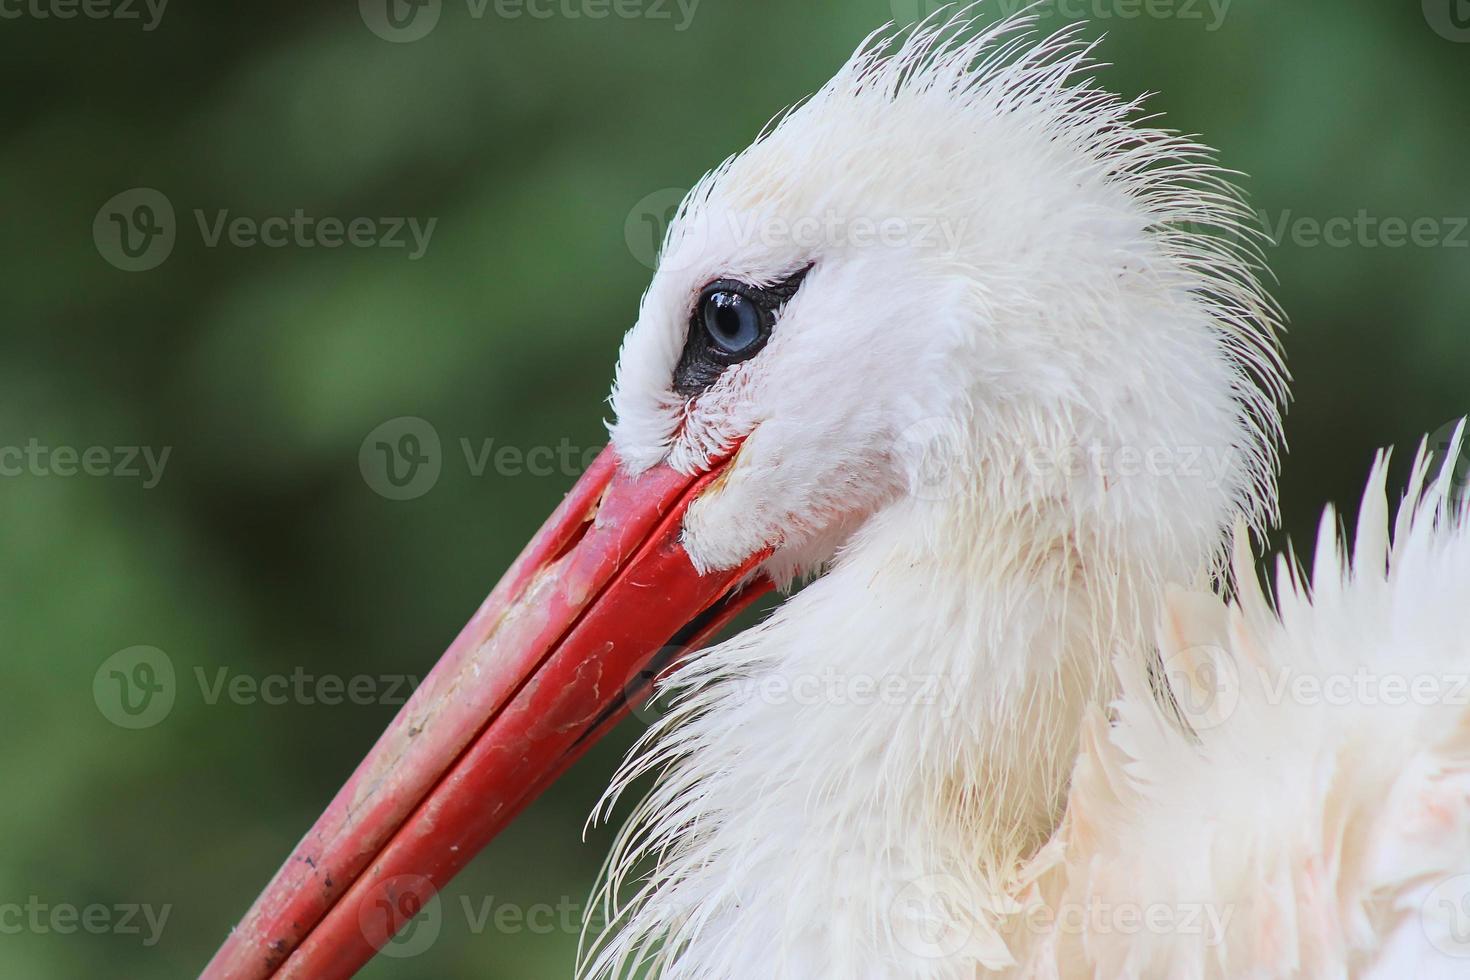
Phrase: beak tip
(606, 585)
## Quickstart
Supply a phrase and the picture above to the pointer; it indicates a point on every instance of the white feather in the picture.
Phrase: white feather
(1319, 825)
(897, 738)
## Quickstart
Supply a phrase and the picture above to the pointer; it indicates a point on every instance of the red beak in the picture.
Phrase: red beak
(602, 598)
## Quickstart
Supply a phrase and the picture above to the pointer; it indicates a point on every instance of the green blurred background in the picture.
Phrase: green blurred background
(547, 148)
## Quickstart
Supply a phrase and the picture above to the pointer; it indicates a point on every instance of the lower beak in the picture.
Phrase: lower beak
(602, 598)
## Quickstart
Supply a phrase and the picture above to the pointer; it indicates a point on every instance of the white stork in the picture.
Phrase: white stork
(983, 354)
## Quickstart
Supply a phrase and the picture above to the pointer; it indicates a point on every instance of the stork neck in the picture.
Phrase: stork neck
(954, 668)
(910, 717)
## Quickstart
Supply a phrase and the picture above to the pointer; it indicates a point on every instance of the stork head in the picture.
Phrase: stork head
(957, 293)
(962, 279)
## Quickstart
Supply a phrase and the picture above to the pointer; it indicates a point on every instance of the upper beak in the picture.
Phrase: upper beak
(599, 601)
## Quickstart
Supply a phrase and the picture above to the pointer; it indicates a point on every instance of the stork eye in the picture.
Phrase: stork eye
(732, 321)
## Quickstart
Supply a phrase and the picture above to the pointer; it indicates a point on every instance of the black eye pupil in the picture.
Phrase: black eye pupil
(732, 321)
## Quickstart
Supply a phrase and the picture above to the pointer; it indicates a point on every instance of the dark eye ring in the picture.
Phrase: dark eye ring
(730, 322)
(735, 324)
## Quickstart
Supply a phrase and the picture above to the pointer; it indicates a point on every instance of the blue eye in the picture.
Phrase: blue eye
(730, 322)
(733, 323)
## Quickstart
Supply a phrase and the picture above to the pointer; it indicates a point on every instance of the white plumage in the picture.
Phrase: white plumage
(1312, 814)
(997, 435)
